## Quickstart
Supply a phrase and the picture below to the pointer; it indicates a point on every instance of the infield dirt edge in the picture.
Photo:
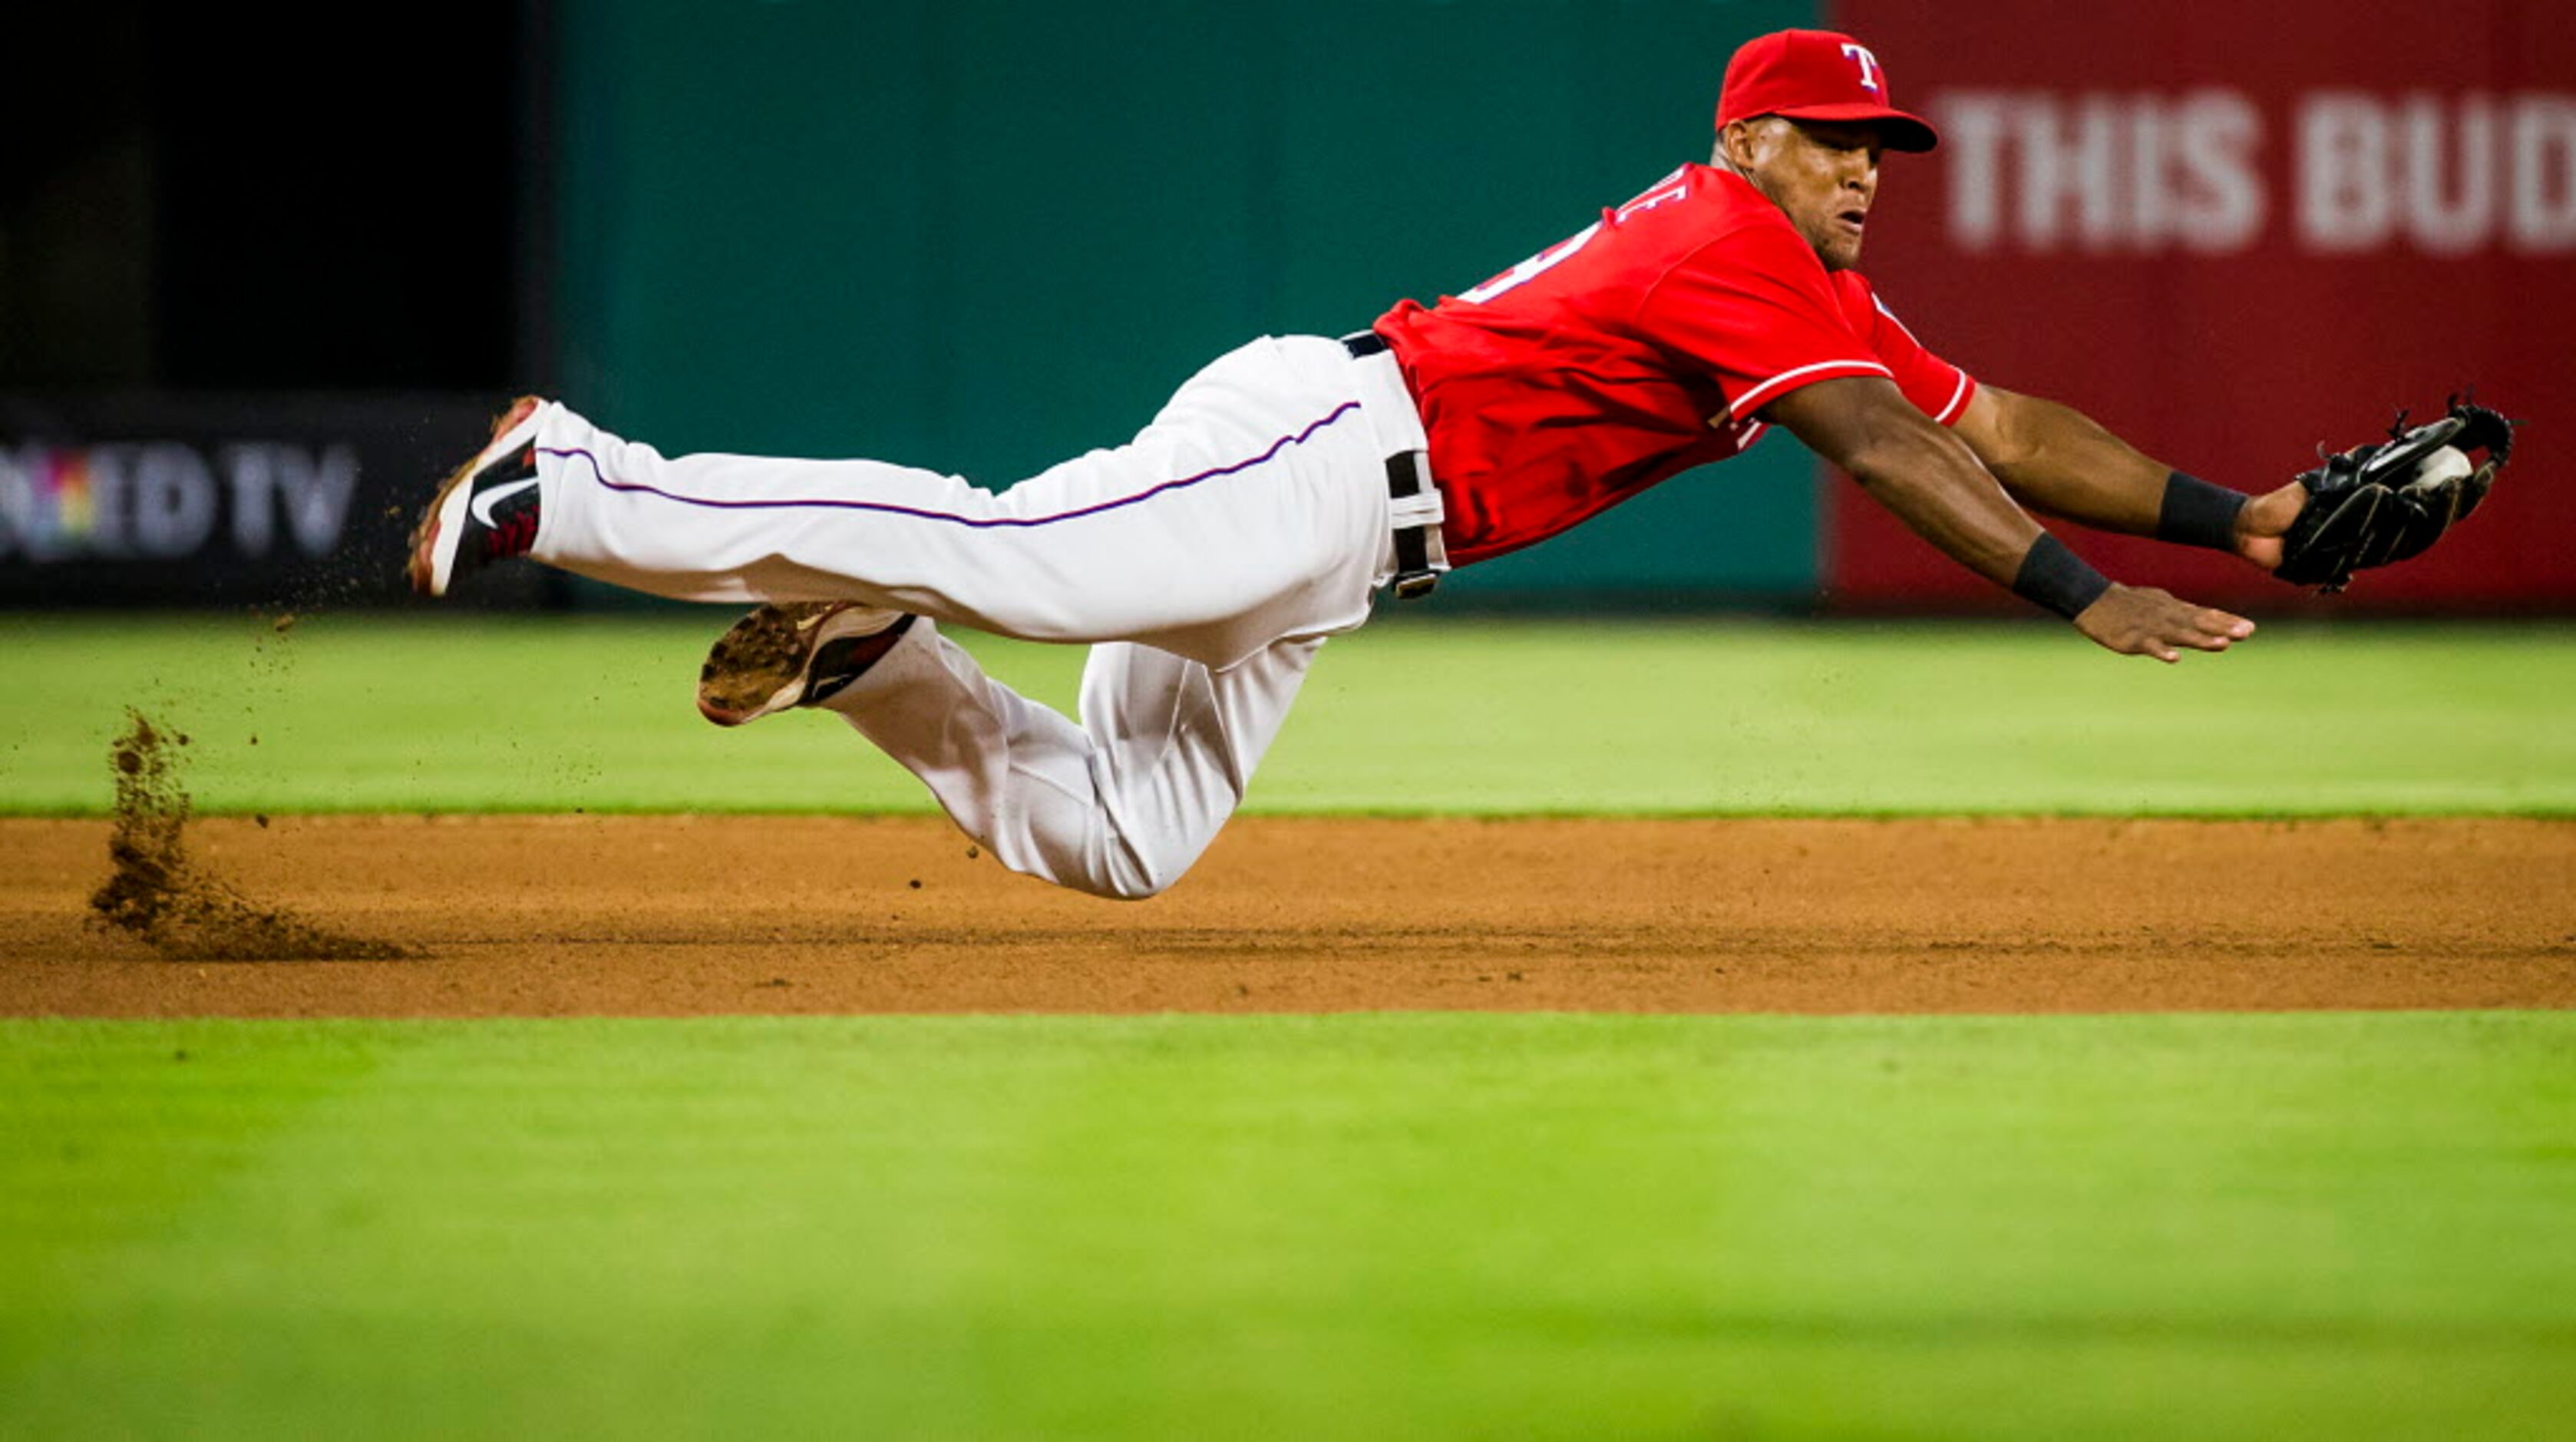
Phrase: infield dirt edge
(703, 915)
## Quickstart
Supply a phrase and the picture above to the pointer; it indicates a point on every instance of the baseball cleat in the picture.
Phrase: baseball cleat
(795, 654)
(487, 509)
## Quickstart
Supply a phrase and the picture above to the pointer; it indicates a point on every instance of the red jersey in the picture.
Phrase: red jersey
(1637, 349)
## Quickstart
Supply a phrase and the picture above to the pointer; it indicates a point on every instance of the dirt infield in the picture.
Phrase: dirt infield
(700, 915)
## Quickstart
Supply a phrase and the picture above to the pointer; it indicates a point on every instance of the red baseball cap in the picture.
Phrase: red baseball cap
(1816, 75)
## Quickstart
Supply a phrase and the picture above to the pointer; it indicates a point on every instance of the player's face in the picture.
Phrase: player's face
(1822, 175)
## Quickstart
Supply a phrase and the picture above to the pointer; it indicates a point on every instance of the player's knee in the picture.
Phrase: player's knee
(1132, 868)
(1114, 886)
(1128, 877)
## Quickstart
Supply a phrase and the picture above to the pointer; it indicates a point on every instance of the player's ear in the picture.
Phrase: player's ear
(1739, 145)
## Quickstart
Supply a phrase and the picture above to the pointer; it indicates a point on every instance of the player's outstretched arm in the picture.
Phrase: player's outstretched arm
(2060, 462)
(1935, 484)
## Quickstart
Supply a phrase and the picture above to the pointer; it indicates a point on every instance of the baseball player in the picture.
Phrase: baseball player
(1206, 561)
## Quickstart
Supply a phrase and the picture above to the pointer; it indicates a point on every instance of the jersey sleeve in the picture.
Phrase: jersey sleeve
(1756, 310)
(1936, 387)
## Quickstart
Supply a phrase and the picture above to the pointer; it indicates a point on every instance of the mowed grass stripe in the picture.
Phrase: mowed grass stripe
(1390, 1226)
(1415, 715)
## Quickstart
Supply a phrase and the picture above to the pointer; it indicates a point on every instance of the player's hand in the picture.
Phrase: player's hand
(2143, 621)
(2264, 520)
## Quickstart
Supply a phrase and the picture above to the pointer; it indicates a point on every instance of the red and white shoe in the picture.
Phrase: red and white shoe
(487, 509)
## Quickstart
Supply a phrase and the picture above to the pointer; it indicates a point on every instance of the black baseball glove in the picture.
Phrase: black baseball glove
(2387, 501)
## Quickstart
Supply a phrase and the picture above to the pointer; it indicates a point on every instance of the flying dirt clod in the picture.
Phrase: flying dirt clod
(156, 893)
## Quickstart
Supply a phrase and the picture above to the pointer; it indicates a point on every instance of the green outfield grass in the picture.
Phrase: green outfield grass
(1395, 1226)
(1709, 717)
(2349, 1226)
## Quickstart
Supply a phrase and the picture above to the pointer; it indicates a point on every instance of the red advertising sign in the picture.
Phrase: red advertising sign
(2230, 233)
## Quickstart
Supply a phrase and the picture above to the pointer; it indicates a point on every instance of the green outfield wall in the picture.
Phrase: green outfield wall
(984, 235)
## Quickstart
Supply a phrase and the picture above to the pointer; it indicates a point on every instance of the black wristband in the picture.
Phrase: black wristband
(2196, 513)
(2057, 578)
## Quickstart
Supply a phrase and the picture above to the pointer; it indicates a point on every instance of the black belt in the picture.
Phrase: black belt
(1414, 574)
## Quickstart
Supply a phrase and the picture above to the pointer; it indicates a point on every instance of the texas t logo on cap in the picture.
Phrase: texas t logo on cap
(1817, 75)
(1868, 64)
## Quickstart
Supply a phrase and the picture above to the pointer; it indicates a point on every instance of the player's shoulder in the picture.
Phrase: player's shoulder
(1855, 292)
(1705, 201)
(1729, 235)
(1861, 303)
(1704, 217)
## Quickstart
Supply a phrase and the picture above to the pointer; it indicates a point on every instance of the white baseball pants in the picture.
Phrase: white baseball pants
(1205, 562)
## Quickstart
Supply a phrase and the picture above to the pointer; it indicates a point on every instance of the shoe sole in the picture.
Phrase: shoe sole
(433, 566)
(759, 667)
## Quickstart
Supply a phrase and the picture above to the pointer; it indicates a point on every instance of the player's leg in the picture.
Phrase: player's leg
(1118, 805)
(1260, 487)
